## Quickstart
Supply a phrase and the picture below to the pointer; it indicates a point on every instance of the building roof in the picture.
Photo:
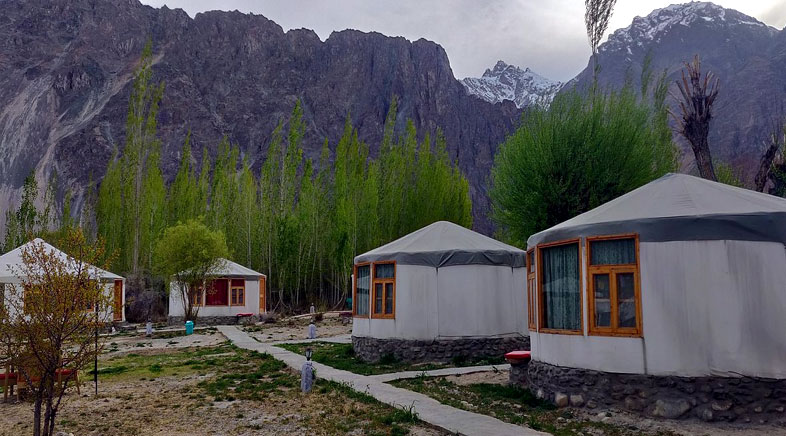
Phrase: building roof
(11, 262)
(443, 244)
(229, 268)
(680, 207)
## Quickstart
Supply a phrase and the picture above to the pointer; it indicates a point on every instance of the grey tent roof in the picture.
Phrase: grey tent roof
(443, 244)
(11, 262)
(680, 207)
(229, 268)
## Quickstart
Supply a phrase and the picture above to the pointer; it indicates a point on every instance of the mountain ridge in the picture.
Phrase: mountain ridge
(509, 82)
(66, 70)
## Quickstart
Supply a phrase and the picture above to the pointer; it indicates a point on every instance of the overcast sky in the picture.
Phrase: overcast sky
(546, 35)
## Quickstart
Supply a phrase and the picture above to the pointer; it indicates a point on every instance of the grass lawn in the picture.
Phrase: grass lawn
(514, 405)
(342, 356)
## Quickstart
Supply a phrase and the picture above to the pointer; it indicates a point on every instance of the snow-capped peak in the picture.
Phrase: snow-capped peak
(509, 82)
(660, 21)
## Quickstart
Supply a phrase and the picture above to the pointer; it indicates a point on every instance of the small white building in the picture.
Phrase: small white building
(439, 293)
(114, 285)
(234, 290)
(682, 279)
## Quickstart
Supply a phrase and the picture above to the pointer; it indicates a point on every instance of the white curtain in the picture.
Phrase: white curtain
(561, 287)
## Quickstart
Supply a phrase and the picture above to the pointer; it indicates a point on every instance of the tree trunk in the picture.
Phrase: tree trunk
(37, 415)
(701, 149)
(763, 175)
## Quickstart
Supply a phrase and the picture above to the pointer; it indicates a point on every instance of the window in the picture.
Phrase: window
(219, 295)
(362, 287)
(384, 290)
(238, 293)
(560, 288)
(613, 294)
(531, 306)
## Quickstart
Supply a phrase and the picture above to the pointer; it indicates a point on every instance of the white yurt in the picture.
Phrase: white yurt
(11, 265)
(234, 293)
(682, 279)
(439, 293)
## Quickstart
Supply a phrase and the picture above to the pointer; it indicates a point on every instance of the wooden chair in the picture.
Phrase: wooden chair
(65, 374)
(21, 383)
(9, 381)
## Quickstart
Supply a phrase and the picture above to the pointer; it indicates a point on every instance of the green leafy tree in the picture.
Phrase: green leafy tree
(139, 156)
(190, 254)
(582, 151)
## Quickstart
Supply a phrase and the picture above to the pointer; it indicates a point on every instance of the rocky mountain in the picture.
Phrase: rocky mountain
(747, 56)
(509, 82)
(66, 68)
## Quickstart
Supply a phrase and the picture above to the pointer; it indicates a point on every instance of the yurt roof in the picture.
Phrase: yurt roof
(443, 244)
(229, 268)
(679, 207)
(11, 262)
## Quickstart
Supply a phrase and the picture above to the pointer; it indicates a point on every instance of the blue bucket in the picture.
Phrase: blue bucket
(189, 327)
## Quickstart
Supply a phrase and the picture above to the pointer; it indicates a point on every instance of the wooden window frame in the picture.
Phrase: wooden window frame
(383, 282)
(532, 305)
(541, 297)
(241, 293)
(355, 289)
(612, 271)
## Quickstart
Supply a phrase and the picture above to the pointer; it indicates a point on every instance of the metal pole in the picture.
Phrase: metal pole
(95, 361)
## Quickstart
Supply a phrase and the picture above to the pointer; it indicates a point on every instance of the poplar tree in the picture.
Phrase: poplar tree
(183, 194)
(140, 144)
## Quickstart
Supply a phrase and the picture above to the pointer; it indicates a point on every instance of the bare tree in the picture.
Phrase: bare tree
(49, 319)
(773, 156)
(696, 98)
(596, 19)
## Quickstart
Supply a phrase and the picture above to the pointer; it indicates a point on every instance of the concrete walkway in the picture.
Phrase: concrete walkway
(439, 372)
(429, 410)
(340, 339)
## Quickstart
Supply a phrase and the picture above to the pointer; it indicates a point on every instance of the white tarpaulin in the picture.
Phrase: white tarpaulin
(11, 263)
(679, 207)
(442, 244)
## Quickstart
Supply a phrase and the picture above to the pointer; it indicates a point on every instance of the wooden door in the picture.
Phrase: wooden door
(117, 311)
(262, 293)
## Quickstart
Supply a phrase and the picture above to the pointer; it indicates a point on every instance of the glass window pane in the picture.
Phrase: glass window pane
(613, 252)
(530, 261)
(378, 298)
(626, 299)
(363, 281)
(562, 306)
(384, 271)
(389, 298)
(602, 300)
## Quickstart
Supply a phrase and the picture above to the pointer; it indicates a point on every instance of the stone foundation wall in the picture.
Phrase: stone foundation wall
(438, 350)
(518, 373)
(213, 320)
(743, 399)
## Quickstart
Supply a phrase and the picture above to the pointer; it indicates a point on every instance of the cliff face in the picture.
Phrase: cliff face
(66, 69)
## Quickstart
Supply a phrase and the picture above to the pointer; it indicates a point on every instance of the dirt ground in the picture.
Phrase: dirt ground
(297, 328)
(135, 342)
(171, 401)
